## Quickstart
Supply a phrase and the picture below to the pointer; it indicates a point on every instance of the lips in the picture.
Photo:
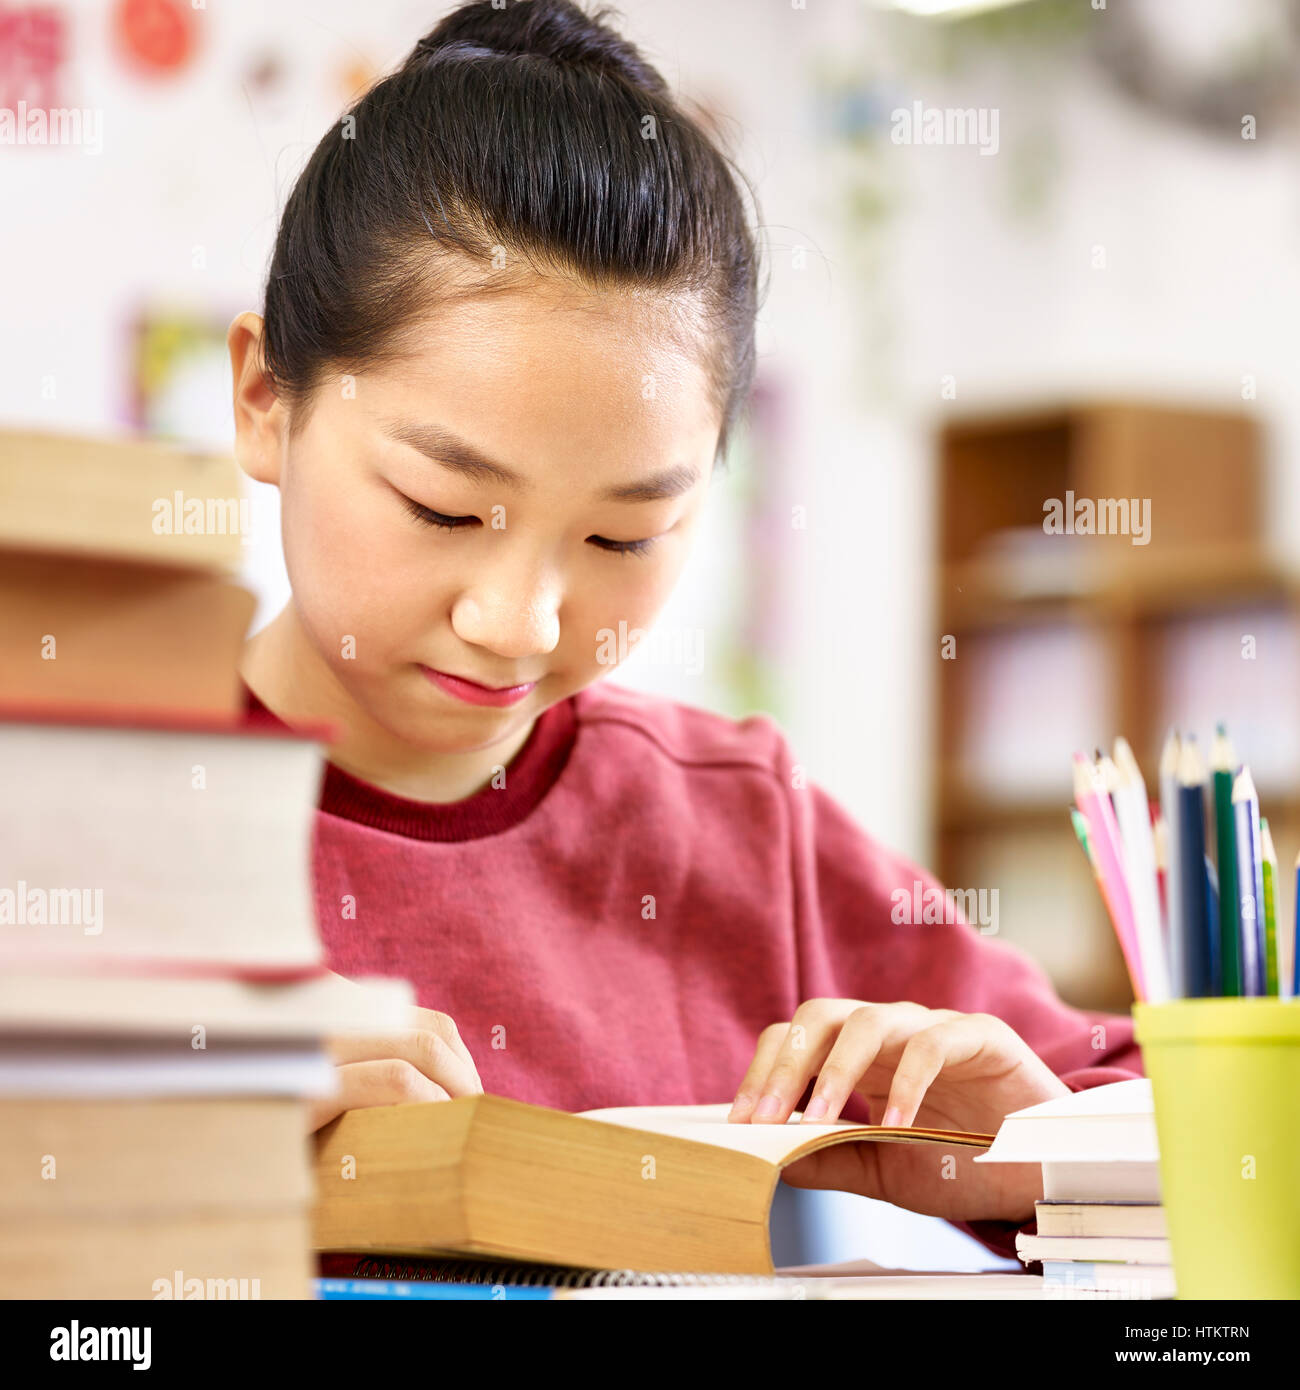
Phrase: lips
(473, 693)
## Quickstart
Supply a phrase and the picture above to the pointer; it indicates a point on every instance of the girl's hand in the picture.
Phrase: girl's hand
(427, 1062)
(912, 1065)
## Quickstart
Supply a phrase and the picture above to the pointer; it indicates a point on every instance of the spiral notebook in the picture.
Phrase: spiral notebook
(381, 1278)
(416, 1280)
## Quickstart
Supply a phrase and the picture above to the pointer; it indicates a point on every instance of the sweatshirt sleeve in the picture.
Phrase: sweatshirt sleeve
(859, 937)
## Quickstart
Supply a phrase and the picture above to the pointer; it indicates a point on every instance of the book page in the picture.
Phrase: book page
(1119, 1098)
(779, 1144)
(1105, 1124)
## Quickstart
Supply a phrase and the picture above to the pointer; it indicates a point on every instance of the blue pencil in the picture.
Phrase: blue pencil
(1295, 944)
(1193, 930)
(1173, 865)
(1250, 882)
(1212, 926)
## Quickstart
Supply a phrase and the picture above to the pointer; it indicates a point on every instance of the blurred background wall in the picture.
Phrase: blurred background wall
(1122, 228)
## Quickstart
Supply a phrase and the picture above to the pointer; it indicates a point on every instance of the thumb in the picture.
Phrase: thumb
(845, 1167)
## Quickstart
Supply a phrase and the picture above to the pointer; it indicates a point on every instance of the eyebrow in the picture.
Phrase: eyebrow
(452, 452)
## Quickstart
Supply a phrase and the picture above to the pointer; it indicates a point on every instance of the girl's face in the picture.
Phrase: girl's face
(492, 508)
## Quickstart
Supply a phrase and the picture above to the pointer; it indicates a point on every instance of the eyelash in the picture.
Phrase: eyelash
(456, 523)
(622, 547)
(432, 518)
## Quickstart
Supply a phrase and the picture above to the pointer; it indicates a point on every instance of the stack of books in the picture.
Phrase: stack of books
(114, 588)
(1101, 1225)
(162, 994)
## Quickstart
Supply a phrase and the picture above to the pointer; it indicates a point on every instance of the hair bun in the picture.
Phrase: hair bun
(555, 29)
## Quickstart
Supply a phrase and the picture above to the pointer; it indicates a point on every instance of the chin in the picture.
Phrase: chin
(456, 729)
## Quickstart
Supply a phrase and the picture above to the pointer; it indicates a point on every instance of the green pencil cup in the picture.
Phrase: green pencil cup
(1225, 1074)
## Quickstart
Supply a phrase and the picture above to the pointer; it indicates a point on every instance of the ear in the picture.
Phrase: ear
(260, 416)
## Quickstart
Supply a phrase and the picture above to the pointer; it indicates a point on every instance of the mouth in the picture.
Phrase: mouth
(474, 693)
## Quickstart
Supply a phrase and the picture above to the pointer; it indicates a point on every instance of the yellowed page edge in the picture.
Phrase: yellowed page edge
(778, 1144)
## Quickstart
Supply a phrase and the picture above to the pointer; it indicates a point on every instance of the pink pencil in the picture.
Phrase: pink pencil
(1103, 835)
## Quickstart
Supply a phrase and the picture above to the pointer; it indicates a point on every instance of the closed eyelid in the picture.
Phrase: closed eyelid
(444, 521)
(623, 547)
(430, 517)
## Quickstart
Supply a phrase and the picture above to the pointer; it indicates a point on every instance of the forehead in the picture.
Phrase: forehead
(550, 370)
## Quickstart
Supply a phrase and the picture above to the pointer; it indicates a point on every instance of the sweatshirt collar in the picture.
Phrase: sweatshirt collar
(489, 811)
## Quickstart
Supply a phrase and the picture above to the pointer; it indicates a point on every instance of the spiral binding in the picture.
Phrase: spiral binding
(490, 1272)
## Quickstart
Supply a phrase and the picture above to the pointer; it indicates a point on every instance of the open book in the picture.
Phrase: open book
(644, 1188)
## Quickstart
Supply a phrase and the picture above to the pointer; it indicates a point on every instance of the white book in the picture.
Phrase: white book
(1093, 1145)
(1107, 1124)
(1101, 1182)
(70, 1005)
(36, 1068)
(187, 843)
(1089, 1219)
(1142, 1250)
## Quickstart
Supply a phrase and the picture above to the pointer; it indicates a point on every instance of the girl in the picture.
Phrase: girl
(508, 331)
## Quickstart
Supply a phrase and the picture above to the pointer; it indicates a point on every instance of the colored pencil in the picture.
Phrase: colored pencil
(1250, 882)
(1104, 840)
(1081, 832)
(1268, 857)
(1108, 776)
(1133, 813)
(1200, 947)
(1223, 761)
(1295, 938)
(1160, 834)
(1169, 756)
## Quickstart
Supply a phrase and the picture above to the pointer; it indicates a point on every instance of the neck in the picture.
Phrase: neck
(282, 667)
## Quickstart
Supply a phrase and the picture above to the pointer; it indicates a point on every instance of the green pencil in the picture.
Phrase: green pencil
(1269, 855)
(1223, 763)
(1081, 831)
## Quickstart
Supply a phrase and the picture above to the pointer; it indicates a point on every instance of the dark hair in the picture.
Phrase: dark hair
(534, 139)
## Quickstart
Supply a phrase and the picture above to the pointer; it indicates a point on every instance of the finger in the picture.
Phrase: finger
(870, 1032)
(842, 1168)
(361, 1085)
(444, 1025)
(427, 1051)
(769, 1044)
(812, 1032)
(924, 1057)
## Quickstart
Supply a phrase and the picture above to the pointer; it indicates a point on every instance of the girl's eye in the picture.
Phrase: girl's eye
(622, 547)
(431, 518)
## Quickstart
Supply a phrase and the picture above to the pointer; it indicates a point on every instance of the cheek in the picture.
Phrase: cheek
(627, 591)
(356, 570)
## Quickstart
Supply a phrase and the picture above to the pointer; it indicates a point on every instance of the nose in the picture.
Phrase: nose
(511, 608)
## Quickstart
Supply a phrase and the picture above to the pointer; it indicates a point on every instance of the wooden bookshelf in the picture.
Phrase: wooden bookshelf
(1127, 611)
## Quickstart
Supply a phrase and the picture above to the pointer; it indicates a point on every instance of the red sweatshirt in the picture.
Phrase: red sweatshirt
(652, 887)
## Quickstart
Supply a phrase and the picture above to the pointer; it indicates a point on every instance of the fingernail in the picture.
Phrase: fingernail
(892, 1116)
(739, 1106)
(767, 1107)
(816, 1108)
